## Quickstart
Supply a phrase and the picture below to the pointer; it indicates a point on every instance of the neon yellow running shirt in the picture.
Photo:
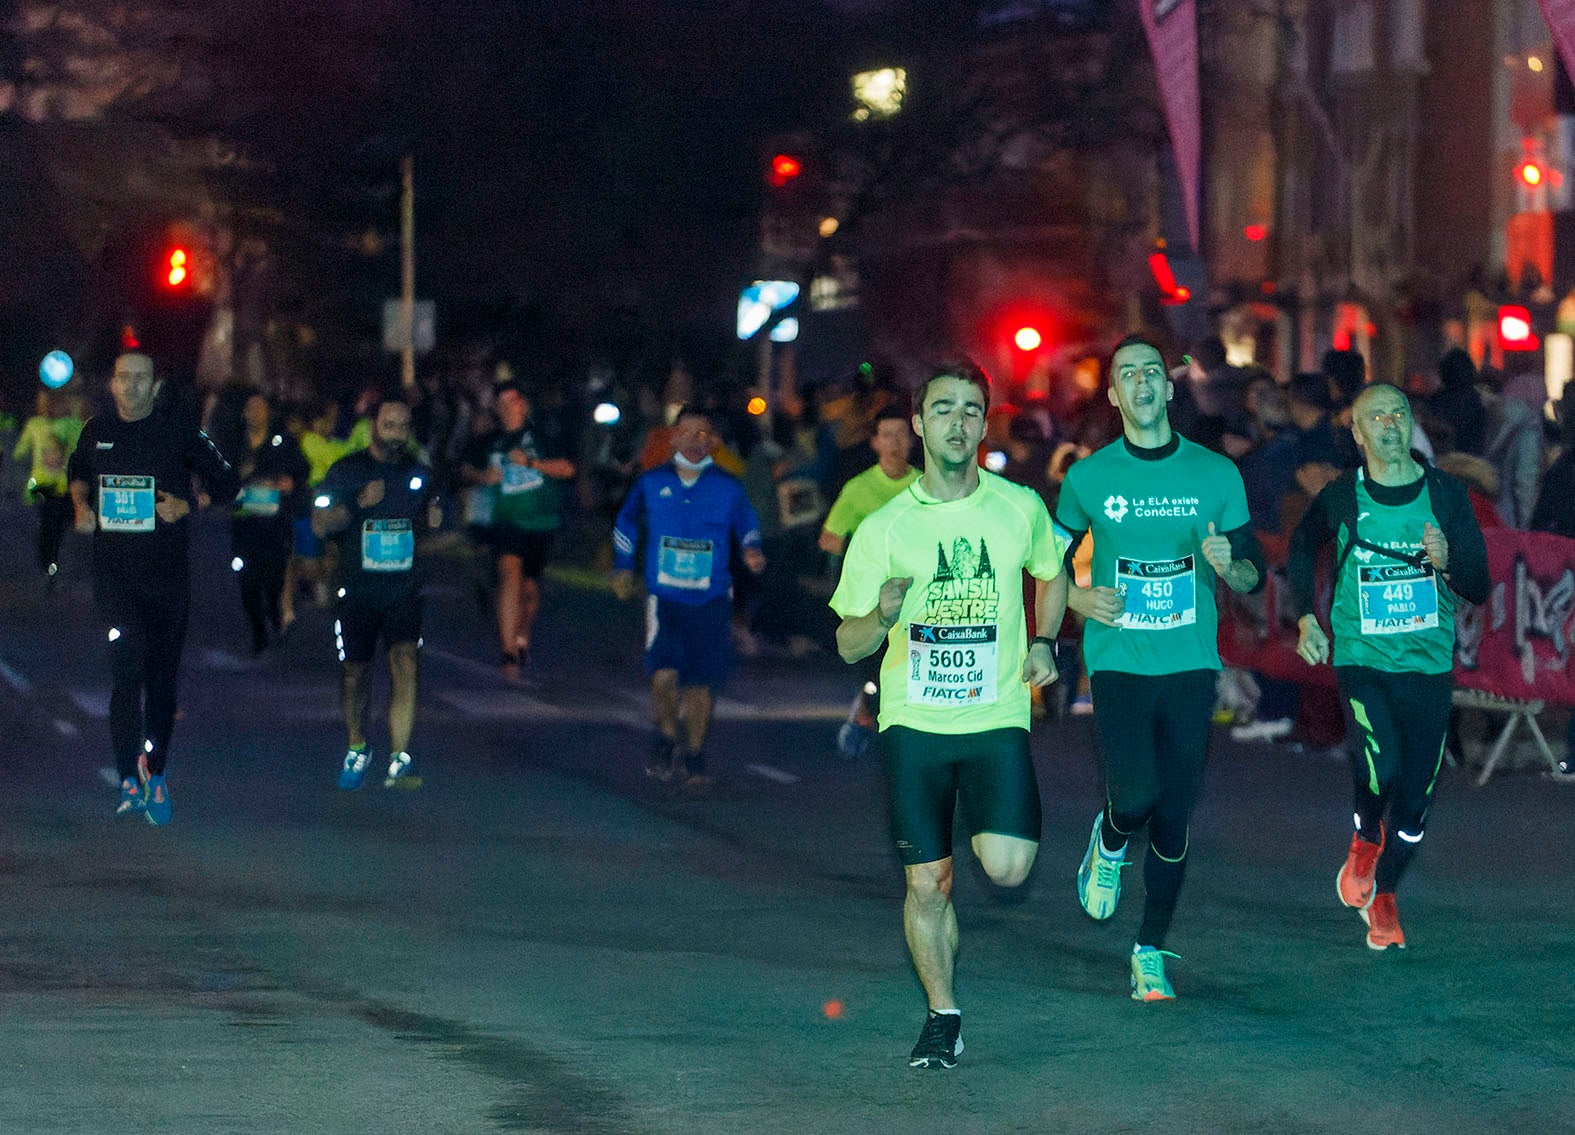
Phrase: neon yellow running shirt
(954, 659)
(861, 496)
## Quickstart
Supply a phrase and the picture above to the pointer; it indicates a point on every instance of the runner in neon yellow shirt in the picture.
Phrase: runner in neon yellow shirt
(892, 441)
(936, 574)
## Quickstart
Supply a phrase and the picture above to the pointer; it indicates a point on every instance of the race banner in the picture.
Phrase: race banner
(1172, 28)
(1516, 645)
(1560, 15)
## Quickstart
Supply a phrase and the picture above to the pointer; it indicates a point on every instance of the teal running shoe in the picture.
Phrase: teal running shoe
(1149, 982)
(1099, 876)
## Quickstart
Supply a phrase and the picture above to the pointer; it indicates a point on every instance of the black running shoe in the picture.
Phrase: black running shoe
(940, 1044)
(659, 766)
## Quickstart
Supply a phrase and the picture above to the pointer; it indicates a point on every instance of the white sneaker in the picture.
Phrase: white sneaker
(1262, 730)
(398, 766)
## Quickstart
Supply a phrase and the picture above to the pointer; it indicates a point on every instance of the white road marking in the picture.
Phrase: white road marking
(14, 678)
(94, 703)
(768, 772)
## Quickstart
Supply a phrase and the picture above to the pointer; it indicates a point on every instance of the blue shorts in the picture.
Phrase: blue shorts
(307, 545)
(694, 640)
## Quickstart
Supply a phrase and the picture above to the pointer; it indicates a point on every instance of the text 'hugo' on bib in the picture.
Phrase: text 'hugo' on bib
(387, 545)
(258, 499)
(1160, 595)
(1397, 598)
(125, 504)
(952, 665)
(684, 563)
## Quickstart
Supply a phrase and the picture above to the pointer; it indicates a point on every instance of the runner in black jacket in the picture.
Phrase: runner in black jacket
(131, 484)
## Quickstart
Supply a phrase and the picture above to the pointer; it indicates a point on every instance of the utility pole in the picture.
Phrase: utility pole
(407, 271)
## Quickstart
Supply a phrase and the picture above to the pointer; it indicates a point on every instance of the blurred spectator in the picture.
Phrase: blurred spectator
(1482, 487)
(1514, 443)
(1028, 458)
(1555, 511)
(1458, 403)
(1319, 454)
(1268, 469)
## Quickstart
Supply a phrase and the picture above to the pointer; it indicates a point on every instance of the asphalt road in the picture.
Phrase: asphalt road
(540, 940)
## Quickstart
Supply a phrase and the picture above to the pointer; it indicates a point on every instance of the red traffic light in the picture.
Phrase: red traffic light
(784, 168)
(177, 268)
(1170, 292)
(1514, 329)
(1255, 232)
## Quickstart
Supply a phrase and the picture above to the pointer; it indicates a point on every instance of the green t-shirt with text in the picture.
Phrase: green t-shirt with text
(1148, 517)
(954, 659)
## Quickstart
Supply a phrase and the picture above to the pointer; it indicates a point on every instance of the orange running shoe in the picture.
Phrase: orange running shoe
(1355, 880)
(1383, 924)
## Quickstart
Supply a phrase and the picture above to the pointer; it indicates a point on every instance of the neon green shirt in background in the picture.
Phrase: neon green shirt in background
(861, 496)
(321, 452)
(45, 439)
(954, 660)
(1148, 518)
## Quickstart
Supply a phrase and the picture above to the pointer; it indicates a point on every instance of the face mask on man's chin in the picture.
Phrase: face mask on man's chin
(689, 466)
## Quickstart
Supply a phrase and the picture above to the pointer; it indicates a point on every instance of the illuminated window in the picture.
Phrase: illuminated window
(879, 93)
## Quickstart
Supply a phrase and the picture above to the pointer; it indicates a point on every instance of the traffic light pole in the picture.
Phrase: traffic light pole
(407, 271)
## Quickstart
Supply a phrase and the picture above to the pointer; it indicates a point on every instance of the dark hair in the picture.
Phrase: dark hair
(962, 369)
(890, 412)
(693, 410)
(1211, 352)
(1311, 388)
(1347, 369)
(1456, 369)
(1134, 339)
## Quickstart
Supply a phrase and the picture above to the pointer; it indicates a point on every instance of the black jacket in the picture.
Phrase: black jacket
(1335, 508)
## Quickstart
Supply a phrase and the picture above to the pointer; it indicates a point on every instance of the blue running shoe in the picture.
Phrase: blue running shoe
(159, 807)
(131, 799)
(354, 768)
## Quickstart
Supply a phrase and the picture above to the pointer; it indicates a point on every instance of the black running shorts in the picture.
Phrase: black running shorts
(927, 773)
(360, 619)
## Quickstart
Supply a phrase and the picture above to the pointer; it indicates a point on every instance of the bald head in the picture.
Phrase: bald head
(1381, 422)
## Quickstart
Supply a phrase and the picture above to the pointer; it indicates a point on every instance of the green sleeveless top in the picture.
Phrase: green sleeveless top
(1392, 611)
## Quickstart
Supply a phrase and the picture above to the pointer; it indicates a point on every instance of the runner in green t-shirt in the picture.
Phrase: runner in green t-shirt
(1400, 530)
(937, 573)
(892, 442)
(1169, 518)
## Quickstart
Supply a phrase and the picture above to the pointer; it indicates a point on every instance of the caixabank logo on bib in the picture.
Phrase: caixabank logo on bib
(963, 588)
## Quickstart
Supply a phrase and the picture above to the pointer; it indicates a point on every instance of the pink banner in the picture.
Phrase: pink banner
(1516, 645)
(1172, 28)
(1560, 15)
